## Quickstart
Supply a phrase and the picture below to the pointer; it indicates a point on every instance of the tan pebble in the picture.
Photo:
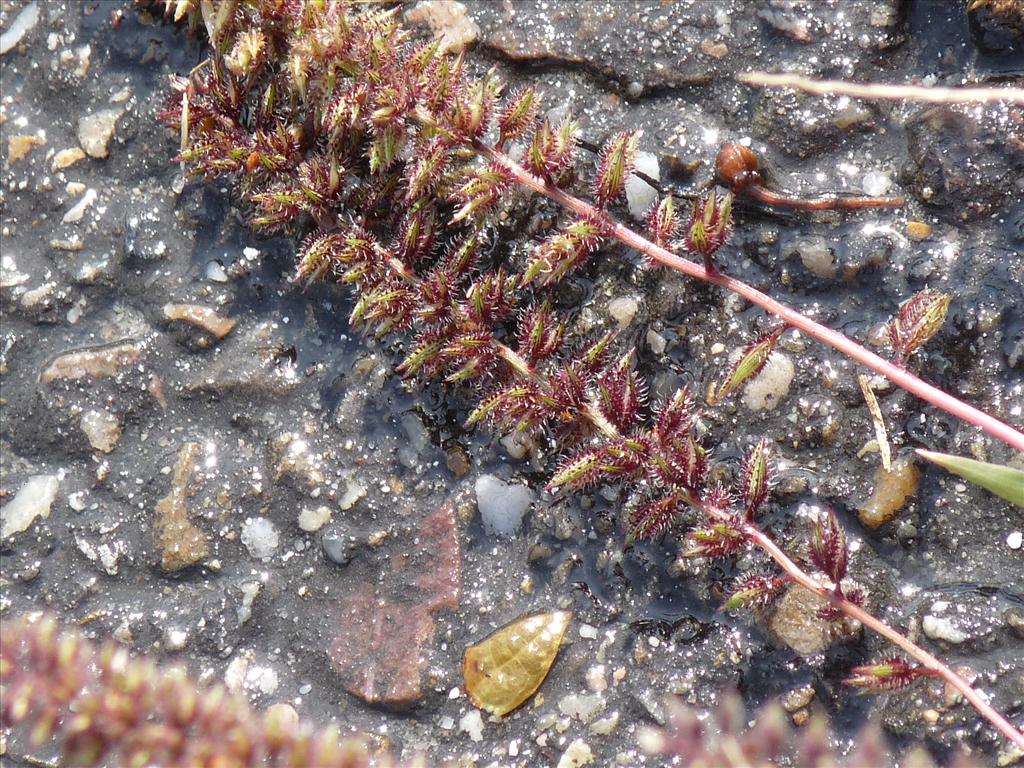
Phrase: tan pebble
(20, 145)
(893, 490)
(918, 230)
(800, 717)
(66, 158)
(713, 49)
(930, 716)
(204, 317)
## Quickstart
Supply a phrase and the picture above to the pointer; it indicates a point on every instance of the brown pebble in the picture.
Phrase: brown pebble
(800, 717)
(918, 230)
(893, 489)
(204, 317)
(713, 49)
(457, 460)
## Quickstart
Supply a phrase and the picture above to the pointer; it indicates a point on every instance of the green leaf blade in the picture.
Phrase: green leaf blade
(1003, 481)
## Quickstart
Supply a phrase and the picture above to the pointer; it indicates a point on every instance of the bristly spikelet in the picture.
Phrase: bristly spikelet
(754, 590)
(614, 166)
(719, 539)
(551, 152)
(651, 520)
(246, 56)
(918, 319)
(621, 394)
(663, 221)
(540, 333)
(481, 191)
(889, 674)
(519, 115)
(564, 251)
(828, 546)
(473, 107)
(318, 257)
(755, 478)
(753, 358)
(710, 226)
(423, 174)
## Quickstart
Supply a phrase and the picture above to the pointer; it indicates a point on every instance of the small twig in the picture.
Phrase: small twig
(934, 95)
(881, 434)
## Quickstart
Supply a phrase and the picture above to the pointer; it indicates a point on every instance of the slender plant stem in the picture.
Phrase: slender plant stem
(850, 348)
(854, 611)
(934, 94)
(897, 375)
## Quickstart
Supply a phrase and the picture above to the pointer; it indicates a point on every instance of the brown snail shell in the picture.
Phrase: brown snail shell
(737, 167)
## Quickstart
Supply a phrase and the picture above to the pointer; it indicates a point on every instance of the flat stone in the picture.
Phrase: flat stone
(96, 130)
(794, 622)
(181, 543)
(92, 363)
(386, 626)
(102, 429)
(201, 317)
(448, 23)
(33, 500)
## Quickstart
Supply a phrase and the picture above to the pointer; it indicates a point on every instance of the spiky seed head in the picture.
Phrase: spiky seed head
(828, 546)
(754, 590)
(663, 221)
(710, 225)
(753, 358)
(651, 520)
(755, 479)
(918, 319)
(614, 166)
(889, 674)
(519, 115)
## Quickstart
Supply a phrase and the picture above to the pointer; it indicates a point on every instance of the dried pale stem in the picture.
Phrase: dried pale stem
(898, 376)
(930, 662)
(934, 95)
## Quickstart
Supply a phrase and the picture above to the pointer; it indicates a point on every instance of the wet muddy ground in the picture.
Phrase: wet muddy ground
(226, 475)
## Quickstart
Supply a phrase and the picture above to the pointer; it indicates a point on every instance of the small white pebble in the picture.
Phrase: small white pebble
(588, 631)
(1015, 539)
(473, 724)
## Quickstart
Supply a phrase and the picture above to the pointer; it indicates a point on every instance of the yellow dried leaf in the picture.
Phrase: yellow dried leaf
(507, 667)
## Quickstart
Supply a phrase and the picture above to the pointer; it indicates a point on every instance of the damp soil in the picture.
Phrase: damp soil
(294, 411)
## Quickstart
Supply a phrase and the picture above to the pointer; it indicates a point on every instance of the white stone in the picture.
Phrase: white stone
(9, 274)
(583, 706)
(588, 631)
(605, 725)
(261, 680)
(314, 519)
(250, 590)
(21, 25)
(876, 183)
(215, 272)
(623, 310)
(770, 387)
(260, 537)
(354, 491)
(656, 342)
(33, 500)
(941, 628)
(102, 429)
(817, 257)
(175, 638)
(1015, 539)
(578, 753)
(502, 505)
(76, 213)
(640, 195)
(96, 130)
(473, 724)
